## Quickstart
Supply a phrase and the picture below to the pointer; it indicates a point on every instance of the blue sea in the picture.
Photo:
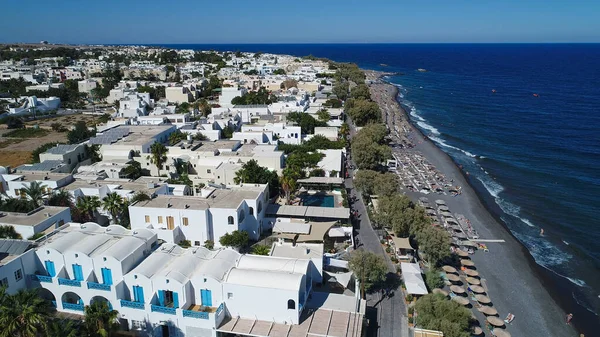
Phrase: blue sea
(532, 147)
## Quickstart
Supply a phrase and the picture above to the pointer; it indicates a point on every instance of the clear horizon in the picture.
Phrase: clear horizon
(309, 22)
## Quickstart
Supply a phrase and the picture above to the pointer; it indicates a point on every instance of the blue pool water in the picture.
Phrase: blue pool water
(318, 200)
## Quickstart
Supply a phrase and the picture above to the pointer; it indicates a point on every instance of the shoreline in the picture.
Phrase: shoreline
(517, 283)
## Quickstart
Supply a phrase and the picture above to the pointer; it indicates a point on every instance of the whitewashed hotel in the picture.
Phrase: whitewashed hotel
(165, 290)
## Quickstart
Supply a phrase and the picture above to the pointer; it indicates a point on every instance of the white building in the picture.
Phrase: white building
(229, 93)
(42, 219)
(15, 255)
(86, 85)
(207, 216)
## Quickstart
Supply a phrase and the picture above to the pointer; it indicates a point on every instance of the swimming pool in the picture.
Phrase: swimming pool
(320, 200)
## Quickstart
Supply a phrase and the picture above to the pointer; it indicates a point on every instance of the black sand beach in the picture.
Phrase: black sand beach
(508, 270)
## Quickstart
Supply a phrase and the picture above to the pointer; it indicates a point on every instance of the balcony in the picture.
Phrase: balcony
(71, 306)
(164, 310)
(133, 305)
(98, 286)
(195, 314)
(67, 282)
(41, 278)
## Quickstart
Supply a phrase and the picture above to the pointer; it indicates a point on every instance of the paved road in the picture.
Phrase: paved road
(387, 316)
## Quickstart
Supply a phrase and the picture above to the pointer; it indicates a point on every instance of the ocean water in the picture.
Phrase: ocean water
(534, 159)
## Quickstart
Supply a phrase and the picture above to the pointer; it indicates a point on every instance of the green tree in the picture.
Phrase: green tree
(60, 198)
(100, 320)
(435, 243)
(62, 328)
(260, 250)
(433, 279)
(158, 155)
(363, 112)
(252, 173)
(140, 196)
(361, 91)
(93, 152)
(113, 204)
(80, 133)
(340, 90)
(369, 147)
(9, 232)
(372, 182)
(176, 137)
(237, 239)
(133, 170)
(35, 193)
(435, 312)
(23, 314)
(279, 72)
(306, 122)
(89, 205)
(333, 103)
(369, 268)
(323, 115)
(209, 244)
(344, 130)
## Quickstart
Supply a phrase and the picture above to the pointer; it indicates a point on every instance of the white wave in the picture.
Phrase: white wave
(413, 112)
(565, 242)
(583, 305)
(428, 127)
(444, 144)
(514, 210)
(491, 186)
(544, 252)
(482, 157)
(576, 281)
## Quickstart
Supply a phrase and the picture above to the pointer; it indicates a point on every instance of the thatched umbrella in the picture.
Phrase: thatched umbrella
(482, 299)
(477, 289)
(467, 263)
(440, 202)
(477, 331)
(449, 269)
(440, 291)
(453, 277)
(495, 321)
(471, 272)
(490, 311)
(444, 208)
(501, 333)
(460, 300)
(457, 289)
(461, 253)
(473, 281)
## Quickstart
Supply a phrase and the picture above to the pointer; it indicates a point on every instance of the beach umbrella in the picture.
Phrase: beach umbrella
(457, 289)
(440, 291)
(473, 281)
(453, 221)
(501, 333)
(440, 202)
(460, 300)
(477, 331)
(461, 253)
(449, 269)
(467, 263)
(495, 321)
(424, 199)
(453, 277)
(471, 272)
(446, 214)
(490, 311)
(444, 208)
(477, 289)
(482, 299)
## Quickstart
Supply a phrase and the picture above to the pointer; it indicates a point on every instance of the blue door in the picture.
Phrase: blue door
(161, 298)
(50, 268)
(138, 294)
(78, 272)
(206, 297)
(107, 276)
(175, 300)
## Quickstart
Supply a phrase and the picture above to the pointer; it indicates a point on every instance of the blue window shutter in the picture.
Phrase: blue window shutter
(141, 294)
(80, 302)
(202, 296)
(135, 293)
(208, 298)
(138, 294)
(77, 272)
(161, 298)
(107, 276)
(175, 300)
(50, 268)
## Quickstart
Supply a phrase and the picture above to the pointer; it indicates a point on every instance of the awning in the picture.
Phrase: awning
(309, 211)
(291, 227)
(411, 273)
(341, 278)
(322, 180)
(401, 243)
(317, 231)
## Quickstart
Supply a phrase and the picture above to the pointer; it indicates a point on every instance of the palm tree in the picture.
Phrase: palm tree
(9, 232)
(60, 198)
(62, 328)
(24, 314)
(133, 170)
(35, 193)
(100, 320)
(89, 205)
(140, 196)
(158, 155)
(113, 204)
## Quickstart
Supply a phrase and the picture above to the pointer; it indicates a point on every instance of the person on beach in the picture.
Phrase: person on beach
(541, 232)
(569, 318)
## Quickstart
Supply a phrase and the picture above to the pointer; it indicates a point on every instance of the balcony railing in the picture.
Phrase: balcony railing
(134, 305)
(67, 282)
(98, 286)
(41, 278)
(71, 306)
(195, 314)
(164, 310)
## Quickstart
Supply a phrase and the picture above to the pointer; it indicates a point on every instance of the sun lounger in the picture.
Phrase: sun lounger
(509, 318)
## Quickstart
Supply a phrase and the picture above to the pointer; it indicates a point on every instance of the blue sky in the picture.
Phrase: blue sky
(305, 21)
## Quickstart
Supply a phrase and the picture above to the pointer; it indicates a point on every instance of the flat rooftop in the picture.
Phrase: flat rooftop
(219, 198)
(298, 251)
(134, 186)
(32, 218)
(141, 134)
(35, 176)
(11, 249)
